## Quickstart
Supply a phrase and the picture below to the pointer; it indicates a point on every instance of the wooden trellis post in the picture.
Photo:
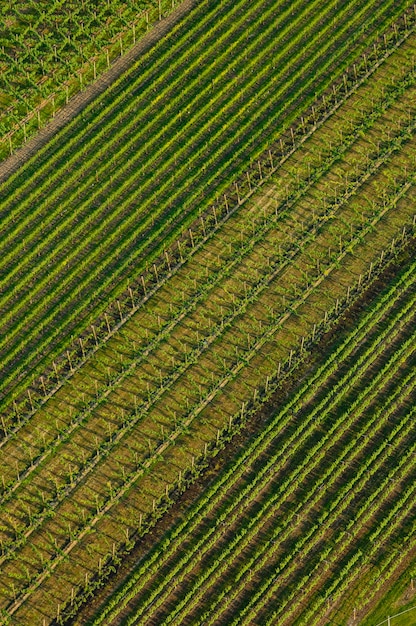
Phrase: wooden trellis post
(203, 228)
(119, 310)
(180, 251)
(69, 360)
(107, 322)
(143, 284)
(95, 334)
(260, 170)
(131, 296)
(248, 179)
(238, 193)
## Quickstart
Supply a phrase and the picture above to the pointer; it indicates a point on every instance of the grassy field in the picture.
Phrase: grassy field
(169, 259)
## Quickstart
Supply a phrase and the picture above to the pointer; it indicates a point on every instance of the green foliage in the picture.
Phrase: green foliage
(45, 45)
(225, 295)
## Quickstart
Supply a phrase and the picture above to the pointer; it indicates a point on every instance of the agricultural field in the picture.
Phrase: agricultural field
(49, 51)
(219, 246)
(299, 514)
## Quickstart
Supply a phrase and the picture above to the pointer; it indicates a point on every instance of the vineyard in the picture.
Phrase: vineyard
(51, 51)
(207, 287)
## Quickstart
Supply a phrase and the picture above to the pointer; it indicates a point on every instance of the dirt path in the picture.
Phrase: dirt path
(83, 98)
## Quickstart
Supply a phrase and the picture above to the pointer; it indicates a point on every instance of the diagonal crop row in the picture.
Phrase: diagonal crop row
(130, 423)
(70, 546)
(226, 481)
(315, 454)
(295, 437)
(323, 169)
(225, 322)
